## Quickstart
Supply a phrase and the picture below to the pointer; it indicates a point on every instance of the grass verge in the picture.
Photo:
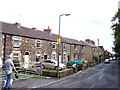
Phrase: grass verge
(30, 76)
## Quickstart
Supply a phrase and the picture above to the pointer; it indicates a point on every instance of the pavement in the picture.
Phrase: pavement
(33, 83)
(37, 83)
(30, 83)
(27, 82)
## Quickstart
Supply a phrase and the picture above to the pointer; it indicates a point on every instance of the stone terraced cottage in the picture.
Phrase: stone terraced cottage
(29, 45)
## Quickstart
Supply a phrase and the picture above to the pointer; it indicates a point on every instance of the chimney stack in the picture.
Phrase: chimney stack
(17, 24)
(87, 40)
(47, 30)
(90, 41)
(34, 28)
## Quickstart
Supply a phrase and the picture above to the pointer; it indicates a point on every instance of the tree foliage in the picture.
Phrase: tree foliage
(116, 32)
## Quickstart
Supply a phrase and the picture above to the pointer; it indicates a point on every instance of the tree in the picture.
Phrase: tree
(116, 32)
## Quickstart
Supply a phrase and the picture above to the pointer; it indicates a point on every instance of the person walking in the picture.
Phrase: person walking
(9, 66)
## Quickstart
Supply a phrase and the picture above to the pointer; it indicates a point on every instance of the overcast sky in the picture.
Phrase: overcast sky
(89, 19)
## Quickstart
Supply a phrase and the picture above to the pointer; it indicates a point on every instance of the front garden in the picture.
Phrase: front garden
(35, 72)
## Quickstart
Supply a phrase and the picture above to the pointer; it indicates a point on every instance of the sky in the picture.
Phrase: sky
(89, 19)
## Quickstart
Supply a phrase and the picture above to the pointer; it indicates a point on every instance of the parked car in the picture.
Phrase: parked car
(37, 64)
(111, 59)
(107, 60)
(52, 64)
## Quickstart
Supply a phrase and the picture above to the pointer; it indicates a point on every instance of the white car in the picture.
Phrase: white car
(52, 64)
(111, 59)
(107, 60)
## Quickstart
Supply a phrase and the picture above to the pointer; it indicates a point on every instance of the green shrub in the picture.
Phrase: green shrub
(69, 63)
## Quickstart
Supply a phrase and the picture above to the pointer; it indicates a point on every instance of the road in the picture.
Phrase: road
(100, 76)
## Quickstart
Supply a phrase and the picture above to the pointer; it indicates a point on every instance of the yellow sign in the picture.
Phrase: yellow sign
(58, 41)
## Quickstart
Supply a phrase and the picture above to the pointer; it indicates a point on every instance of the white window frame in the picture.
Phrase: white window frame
(75, 56)
(53, 43)
(64, 57)
(16, 56)
(76, 47)
(16, 38)
(38, 42)
(53, 56)
(64, 46)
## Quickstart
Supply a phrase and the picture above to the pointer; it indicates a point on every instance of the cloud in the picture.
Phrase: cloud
(89, 18)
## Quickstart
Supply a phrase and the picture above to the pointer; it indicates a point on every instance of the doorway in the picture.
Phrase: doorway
(26, 60)
(45, 56)
(68, 57)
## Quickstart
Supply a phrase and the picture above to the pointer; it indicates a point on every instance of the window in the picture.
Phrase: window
(75, 47)
(15, 56)
(64, 57)
(37, 58)
(53, 56)
(38, 43)
(53, 45)
(16, 60)
(16, 42)
(94, 50)
(64, 46)
(75, 56)
(82, 47)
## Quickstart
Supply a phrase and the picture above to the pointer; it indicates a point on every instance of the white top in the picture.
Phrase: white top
(9, 66)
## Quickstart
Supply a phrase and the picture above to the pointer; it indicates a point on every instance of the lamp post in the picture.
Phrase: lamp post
(59, 41)
(98, 50)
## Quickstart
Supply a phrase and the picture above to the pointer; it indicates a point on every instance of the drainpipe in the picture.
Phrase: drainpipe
(80, 52)
(62, 52)
(4, 54)
(70, 51)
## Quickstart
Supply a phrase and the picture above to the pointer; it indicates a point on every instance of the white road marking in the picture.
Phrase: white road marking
(93, 85)
(71, 83)
(101, 76)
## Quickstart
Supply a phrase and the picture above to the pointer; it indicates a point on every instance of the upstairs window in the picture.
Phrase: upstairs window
(75, 56)
(82, 47)
(64, 46)
(75, 47)
(53, 45)
(38, 43)
(16, 42)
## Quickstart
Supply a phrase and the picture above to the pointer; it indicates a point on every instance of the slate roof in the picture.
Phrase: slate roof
(74, 41)
(13, 29)
(22, 31)
(89, 44)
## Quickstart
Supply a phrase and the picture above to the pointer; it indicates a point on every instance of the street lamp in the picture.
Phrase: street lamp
(59, 41)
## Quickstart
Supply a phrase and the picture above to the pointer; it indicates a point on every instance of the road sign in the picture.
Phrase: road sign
(58, 41)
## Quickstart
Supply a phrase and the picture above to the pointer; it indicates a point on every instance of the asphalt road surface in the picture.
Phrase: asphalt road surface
(100, 76)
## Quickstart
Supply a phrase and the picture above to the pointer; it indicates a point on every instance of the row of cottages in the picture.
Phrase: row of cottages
(29, 45)
(90, 50)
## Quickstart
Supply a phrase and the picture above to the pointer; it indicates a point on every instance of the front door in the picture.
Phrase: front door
(26, 60)
(68, 57)
(45, 56)
(60, 58)
(0, 62)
